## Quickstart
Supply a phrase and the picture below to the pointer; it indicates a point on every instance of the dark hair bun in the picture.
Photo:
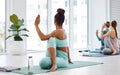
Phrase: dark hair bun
(61, 11)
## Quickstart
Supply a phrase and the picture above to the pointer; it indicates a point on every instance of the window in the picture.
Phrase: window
(47, 9)
(2, 25)
(34, 7)
(80, 24)
(61, 4)
(75, 2)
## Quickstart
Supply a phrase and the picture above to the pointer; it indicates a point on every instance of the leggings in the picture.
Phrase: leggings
(108, 44)
(61, 60)
(61, 57)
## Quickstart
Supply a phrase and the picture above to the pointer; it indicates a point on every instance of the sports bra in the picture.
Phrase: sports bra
(61, 43)
(55, 42)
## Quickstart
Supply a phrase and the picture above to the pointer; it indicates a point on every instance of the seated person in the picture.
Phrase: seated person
(110, 40)
(106, 29)
(58, 50)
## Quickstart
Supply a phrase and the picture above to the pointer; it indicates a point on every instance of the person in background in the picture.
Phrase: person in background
(110, 39)
(106, 29)
(58, 51)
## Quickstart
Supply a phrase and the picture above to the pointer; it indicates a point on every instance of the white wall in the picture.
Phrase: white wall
(17, 7)
(98, 14)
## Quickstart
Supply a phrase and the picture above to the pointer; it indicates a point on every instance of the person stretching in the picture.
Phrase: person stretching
(111, 40)
(106, 29)
(58, 51)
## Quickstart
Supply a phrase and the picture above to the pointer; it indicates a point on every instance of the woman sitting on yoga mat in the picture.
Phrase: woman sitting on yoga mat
(110, 39)
(58, 52)
(106, 29)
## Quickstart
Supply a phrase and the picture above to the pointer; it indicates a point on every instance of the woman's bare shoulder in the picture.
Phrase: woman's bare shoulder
(60, 34)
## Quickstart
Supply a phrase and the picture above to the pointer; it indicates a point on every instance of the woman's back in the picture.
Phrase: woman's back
(114, 42)
(60, 34)
(61, 40)
(112, 33)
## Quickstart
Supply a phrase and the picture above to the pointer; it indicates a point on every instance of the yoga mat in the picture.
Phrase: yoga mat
(96, 55)
(91, 51)
(38, 70)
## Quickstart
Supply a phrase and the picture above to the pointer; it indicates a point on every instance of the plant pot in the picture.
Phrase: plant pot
(16, 48)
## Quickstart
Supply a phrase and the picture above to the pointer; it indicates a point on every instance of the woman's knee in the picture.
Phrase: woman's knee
(45, 63)
(107, 42)
(107, 51)
(61, 62)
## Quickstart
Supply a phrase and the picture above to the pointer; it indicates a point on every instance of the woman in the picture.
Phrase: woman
(106, 29)
(111, 41)
(58, 51)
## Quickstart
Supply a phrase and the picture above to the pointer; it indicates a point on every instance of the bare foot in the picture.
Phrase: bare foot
(101, 51)
(114, 53)
(70, 62)
(97, 49)
(53, 68)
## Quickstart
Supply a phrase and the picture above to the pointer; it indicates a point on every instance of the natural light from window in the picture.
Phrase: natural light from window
(79, 28)
(2, 25)
(35, 7)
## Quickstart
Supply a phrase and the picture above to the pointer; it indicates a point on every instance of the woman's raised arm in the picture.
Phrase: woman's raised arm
(41, 35)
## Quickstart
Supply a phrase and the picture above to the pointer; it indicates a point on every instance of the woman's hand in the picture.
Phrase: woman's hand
(37, 20)
(96, 32)
(70, 61)
(103, 26)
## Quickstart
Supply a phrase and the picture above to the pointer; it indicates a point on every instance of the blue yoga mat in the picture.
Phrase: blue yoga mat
(91, 51)
(97, 55)
(38, 70)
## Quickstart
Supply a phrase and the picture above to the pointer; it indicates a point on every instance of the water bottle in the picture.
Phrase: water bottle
(30, 65)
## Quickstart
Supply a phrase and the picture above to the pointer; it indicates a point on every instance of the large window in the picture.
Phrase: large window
(2, 25)
(35, 7)
(80, 24)
(75, 21)
(61, 4)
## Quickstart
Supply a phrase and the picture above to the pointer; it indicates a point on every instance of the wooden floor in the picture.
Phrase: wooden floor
(111, 64)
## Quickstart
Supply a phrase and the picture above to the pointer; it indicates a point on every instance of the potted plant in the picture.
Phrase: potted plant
(17, 31)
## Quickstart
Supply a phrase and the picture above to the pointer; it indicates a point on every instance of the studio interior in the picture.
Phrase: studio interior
(59, 37)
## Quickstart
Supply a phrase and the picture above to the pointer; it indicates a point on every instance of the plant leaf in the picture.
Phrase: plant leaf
(25, 35)
(11, 30)
(14, 27)
(14, 19)
(9, 36)
(24, 29)
(20, 22)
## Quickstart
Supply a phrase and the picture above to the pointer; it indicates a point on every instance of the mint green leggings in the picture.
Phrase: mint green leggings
(61, 60)
(61, 57)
